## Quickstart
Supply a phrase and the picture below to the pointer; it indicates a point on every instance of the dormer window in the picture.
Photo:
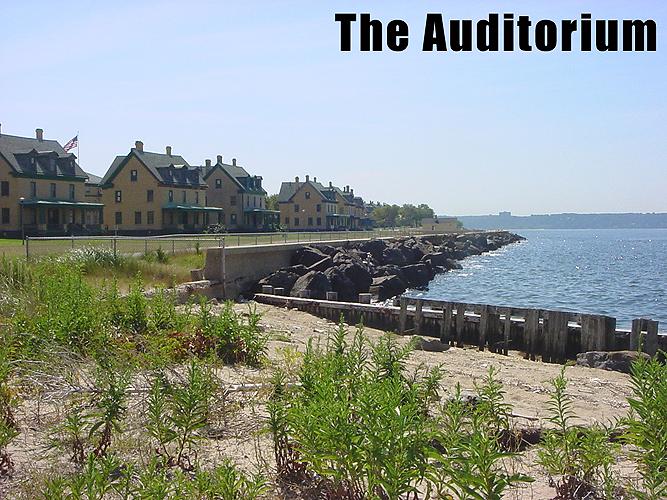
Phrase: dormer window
(185, 196)
(308, 195)
(133, 175)
(171, 196)
(218, 183)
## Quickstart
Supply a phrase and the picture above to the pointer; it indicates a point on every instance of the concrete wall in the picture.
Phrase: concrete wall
(246, 265)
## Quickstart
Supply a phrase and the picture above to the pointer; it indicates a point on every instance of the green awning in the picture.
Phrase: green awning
(191, 208)
(261, 210)
(60, 203)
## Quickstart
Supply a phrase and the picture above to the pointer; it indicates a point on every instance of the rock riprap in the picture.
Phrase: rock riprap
(387, 267)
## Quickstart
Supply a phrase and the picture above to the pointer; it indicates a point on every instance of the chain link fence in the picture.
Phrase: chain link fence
(184, 243)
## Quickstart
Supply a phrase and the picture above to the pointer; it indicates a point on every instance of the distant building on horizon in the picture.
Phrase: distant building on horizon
(439, 224)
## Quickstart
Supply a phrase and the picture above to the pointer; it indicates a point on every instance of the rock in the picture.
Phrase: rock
(430, 345)
(315, 281)
(322, 265)
(389, 286)
(618, 361)
(341, 284)
(327, 249)
(394, 256)
(418, 275)
(374, 247)
(359, 275)
(280, 279)
(308, 256)
(299, 269)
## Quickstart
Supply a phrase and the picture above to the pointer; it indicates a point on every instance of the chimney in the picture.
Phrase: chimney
(347, 189)
(39, 133)
(220, 159)
(352, 192)
(168, 148)
(307, 178)
(296, 179)
(0, 128)
(139, 146)
(208, 163)
(234, 161)
(314, 179)
(330, 184)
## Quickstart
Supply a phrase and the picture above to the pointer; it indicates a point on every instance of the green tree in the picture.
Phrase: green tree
(272, 202)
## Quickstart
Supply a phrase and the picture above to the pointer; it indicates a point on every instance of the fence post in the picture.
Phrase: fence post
(173, 247)
(256, 239)
(114, 246)
(238, 241)
(27, 251)
(403, 315)
(72, 236)
(146, 246)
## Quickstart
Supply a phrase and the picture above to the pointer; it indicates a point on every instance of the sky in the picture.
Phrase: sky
(265, 82)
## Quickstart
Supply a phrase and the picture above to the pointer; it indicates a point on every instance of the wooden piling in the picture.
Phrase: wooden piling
(651, 338)
(418, 319)
(403, 315)
(530, 333)
(460, 323)
(636, 334)
(507, 331)
(446, 330)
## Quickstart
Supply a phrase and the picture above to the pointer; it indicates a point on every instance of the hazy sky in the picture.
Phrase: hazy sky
(265, 82)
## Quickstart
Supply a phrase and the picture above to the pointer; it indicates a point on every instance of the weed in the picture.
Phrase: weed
(8, 425)
(647, 426)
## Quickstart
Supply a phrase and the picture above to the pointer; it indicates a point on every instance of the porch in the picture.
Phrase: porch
(189, 218)
(44, 216)
(261, 219)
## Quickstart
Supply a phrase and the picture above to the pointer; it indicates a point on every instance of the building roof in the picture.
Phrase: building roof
(289, 189)
(32, 157)
(171, 170)
(93, 179)
(245, 181)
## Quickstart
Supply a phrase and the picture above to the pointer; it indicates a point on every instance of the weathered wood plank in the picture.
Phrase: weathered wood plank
(636, 334)
(403, 315)
(418, 317)
(460, 324)
(446, 331)
(530, 333)
(483, 327)
(507, 331)
(651, 338)
(555, 336)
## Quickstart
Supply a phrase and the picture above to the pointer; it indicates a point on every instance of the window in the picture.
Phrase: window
(119, 218)
(232, 201)
(254, 201)
(310, 221)
(296, 221)
(171, 196)
(118, 196)
(72, 192)
(171, 218)
(196, 197)
(287, 221)
(218, 184)
(319, 221)
(137, 217)
(319, 208)
(196, 218)
(232, 219)
(184, 195)
(308, 195)
(221, 218)
(5, 216)
(150, 217)
(133, 175)
(184, 218)
(53, 190)
(4, 188)
(33, 190)
(296, 208)
(149, 195)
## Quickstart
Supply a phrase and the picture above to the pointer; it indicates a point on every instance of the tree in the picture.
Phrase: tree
(272, 202)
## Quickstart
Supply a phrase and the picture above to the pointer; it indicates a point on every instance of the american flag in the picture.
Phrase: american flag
(74, 142)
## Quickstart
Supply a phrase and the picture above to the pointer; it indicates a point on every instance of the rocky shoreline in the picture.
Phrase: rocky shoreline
(384, 267)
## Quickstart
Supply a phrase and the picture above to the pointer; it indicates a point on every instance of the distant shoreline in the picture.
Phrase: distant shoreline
(507, 221)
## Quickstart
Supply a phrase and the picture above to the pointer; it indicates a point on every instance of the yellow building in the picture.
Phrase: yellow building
(156, 193)
(311, 206)
(441, 225)
(240, 195)
(43, 189)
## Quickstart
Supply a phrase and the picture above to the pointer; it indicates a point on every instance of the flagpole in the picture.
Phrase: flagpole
(78, 151)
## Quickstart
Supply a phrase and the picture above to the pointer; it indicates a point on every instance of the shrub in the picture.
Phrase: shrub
(357, 426)
(647, 426)
(579, 459)
(8, 425)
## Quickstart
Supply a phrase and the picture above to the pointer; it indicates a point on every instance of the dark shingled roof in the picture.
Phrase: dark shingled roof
(34, 158)
(93, 179)
(172, 170)
(240, 175)
(288, 189)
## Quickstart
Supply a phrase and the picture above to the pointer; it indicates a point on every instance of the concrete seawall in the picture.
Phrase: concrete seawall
(239, 268)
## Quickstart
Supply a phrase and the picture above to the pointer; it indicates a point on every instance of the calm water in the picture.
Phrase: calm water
(617, 272)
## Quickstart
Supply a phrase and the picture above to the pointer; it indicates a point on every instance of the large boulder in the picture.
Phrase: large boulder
(280, 279)
(418, 275)
(396, 255)
(374, 247)
(299, 269)
(359, 274)
(315, 282)
(341, 284)
(308, 256)
(322, 265)
(619, 361)
(388, 286)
